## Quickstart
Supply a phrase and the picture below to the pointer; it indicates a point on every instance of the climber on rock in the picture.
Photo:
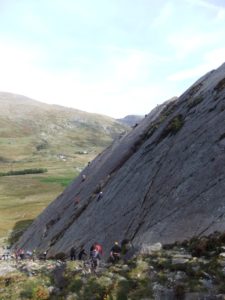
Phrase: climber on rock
(100, 195)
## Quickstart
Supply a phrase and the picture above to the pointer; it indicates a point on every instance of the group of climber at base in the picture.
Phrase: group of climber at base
(96, 252)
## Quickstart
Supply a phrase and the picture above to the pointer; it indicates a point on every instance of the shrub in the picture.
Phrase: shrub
(25, 171)
(195, 89)
(175, 124)
(198, 247)
(75, 285)
(18, 229)
(222, 237)
(162, 278)
(93, 290)
(4, 160)
(42, 146)
(61, 256)
(166, 112)
(220, 86)
(28, 290)
(35, 291)
(221, 288)
(173, 127)
(124, 287)
(41, 293)
(206, 246)
(195, 101)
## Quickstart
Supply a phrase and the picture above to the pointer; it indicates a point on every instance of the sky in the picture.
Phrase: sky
(113, 57)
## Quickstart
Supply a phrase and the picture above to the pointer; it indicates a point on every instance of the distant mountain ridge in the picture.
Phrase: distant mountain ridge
(46, 129)
(131, 120)
(134, 120)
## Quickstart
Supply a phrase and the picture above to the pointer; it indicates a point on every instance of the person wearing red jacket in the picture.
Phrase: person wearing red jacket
(95, 251)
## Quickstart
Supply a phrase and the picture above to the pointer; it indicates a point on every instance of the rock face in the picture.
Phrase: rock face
(164, 181)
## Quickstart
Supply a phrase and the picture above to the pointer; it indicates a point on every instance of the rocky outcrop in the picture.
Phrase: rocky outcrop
(177, 271)
(164, 181)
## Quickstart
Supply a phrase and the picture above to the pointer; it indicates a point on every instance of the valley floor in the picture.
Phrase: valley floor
(24, 197)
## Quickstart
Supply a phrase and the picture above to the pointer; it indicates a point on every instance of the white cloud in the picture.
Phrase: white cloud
(12, 54)
(116, 94)
(110, 69)
(203, 4)
(189, 73)
(19, 73)
(186, 43)
(128, 68)
(221, 15)
(215, 56)
(165, 13)
(130, 65)
(219, 10)
(211, 60)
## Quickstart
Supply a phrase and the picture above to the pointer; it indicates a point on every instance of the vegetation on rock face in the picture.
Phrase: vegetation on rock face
(175, 124)
(18, 230)
(204, 246)
(166, 112)
(220, 86)
(193, 90)
(173, 127)
(195, 101)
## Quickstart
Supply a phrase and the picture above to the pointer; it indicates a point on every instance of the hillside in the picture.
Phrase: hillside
(33, 130)
(37, 135)
(162, 182)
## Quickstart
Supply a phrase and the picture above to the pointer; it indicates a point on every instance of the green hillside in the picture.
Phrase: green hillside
(35, 135)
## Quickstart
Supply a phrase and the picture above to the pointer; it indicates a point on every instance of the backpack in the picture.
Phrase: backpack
(98, 248)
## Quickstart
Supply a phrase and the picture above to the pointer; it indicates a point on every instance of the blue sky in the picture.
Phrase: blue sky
(114, 57)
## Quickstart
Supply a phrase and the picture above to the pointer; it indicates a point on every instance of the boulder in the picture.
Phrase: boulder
(149, 249)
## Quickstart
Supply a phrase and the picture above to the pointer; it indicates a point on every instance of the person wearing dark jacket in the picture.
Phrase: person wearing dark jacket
(82, 254)
(115, 252)
(72, 254)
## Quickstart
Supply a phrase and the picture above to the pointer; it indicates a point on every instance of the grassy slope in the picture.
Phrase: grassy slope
(34, 135)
